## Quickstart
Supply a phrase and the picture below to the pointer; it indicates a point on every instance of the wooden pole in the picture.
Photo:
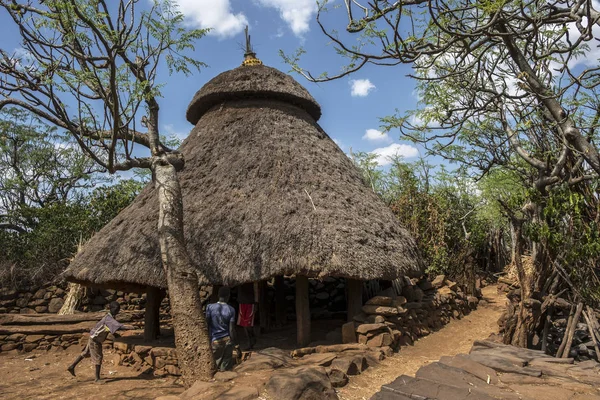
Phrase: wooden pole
(214, 295)
(353, 297)
(263, 307)
(588, 320)
(152, 320)
(280, 303)
(302, 310)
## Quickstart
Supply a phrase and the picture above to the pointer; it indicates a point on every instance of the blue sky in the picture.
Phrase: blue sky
(351, 106)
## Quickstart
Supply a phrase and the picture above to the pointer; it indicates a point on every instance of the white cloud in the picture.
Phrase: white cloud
(169, 131)
(361, 87)
(214, 14)
(385, 154)
(296, 13)
(373, 135)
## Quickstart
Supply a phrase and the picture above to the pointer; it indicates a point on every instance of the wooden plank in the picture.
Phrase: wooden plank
(80, 327)
(48, 319)
(302, 310)
(152, 315)
(354, 289)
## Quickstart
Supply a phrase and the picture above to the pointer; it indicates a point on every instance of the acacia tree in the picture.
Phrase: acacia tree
(501, 82)
(89, 67)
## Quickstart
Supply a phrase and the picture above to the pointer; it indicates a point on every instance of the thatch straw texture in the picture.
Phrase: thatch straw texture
(266, 192)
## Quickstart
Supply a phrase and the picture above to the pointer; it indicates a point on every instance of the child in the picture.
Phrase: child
(98, 335)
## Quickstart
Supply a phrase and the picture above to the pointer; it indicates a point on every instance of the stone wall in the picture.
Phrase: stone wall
(395, 320)
(50, 298)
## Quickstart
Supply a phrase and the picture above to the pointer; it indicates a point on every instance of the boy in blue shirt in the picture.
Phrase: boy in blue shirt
(220, 317)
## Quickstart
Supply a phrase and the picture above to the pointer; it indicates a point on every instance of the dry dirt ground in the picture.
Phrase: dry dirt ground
(454, 338)
(40, 375)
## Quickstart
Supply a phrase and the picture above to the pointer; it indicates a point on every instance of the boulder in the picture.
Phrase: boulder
(439, 281)
(337, 378)
(348, 333)
(55, 305)
(303, 383)
(270, 358)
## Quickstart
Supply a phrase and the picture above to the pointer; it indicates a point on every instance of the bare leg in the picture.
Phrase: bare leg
(71, 367)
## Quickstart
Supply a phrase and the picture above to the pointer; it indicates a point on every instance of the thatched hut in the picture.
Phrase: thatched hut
(266, 193)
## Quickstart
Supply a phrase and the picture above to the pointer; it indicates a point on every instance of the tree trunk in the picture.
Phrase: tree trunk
(191, 331)
(75, 294)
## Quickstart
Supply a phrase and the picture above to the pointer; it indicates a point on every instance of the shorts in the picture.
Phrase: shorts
(93, 350)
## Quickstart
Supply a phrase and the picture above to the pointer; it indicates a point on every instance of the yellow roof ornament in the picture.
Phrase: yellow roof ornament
(250, 56)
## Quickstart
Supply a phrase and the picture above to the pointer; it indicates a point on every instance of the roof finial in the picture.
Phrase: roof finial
(250, 55)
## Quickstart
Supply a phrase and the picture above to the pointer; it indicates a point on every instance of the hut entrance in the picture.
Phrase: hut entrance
(296, 310)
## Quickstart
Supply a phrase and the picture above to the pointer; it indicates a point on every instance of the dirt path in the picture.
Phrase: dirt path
(454, 338)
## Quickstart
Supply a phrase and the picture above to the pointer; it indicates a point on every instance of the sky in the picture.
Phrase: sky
(351, 106)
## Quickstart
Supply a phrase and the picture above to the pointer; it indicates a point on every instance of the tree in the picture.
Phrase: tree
(502, 83)
(38, 167)
(90, 68)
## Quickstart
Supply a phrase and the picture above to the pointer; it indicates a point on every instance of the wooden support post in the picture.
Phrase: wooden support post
(214, 296)
(152, 316)
(280, 303)
(263, 307)
(353, 297)
(302, 310)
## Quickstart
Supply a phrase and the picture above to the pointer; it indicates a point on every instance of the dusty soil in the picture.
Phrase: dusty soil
(454, 338)
(41, 375)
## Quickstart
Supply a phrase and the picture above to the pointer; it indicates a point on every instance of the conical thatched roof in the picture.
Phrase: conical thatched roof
(266, 192)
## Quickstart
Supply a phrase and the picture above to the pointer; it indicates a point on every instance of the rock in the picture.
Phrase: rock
(27, 347)
(122, 347)
(55, 305)
(348, 333)
(8, 294)
(41, 309)
(380, 310)
(22, 301)
(15, 337)
(383, 339)
(301, 383)
(360, 317)
(9, 346)
(142, 351)
(322, 296)
(462, 361)
(452, 285)
(399, 301)
(337, 378)
(27, 311)
(424, 284)
(240, 393)
(439, 281)
(366, 328)
(173, 370)
(346, 365)
(270, 358)
(319, 359)
(472, 301)
(225, 376)
(33, 338)
(39, 294)
(380, 301)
